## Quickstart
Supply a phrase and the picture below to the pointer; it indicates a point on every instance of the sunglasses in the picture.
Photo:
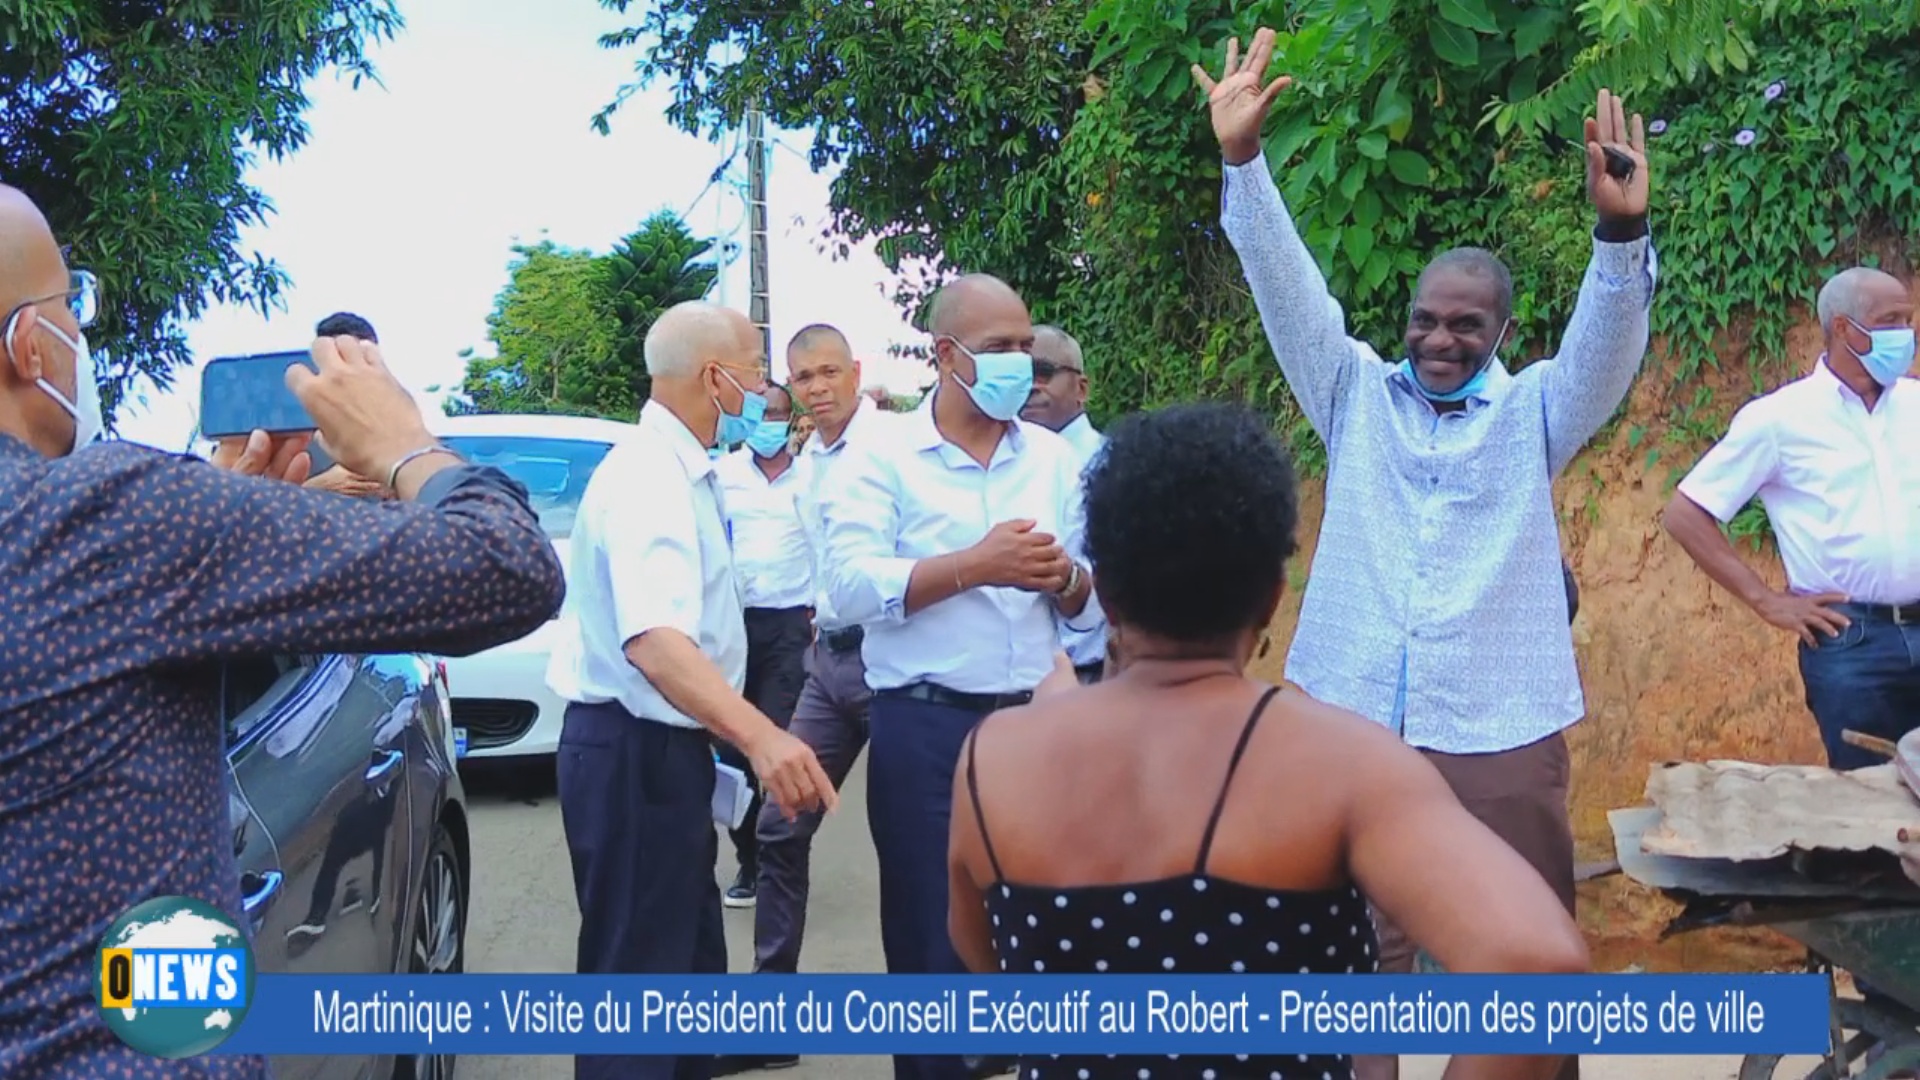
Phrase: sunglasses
(1047, 369)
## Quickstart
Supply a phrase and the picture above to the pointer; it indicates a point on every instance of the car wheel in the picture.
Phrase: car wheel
(439, 945)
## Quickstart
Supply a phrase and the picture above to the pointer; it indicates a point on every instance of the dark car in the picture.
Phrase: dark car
(350, 827)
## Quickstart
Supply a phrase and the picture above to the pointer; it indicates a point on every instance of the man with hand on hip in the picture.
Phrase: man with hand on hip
(652, 657)
(761, 485)
(1835, 458)
(956, 540)
(1437, 604)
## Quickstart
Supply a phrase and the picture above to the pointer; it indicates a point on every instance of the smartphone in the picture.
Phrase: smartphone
(242, 394)
(1619, 165)
(322, 461)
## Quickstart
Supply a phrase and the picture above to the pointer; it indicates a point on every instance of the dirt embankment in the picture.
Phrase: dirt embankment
(1673, 666)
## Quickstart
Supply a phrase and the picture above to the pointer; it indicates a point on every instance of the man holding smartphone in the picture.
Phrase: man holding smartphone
(134, 573)
(333, 477)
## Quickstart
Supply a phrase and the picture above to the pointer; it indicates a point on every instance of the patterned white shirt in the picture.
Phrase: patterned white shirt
(1436, 603)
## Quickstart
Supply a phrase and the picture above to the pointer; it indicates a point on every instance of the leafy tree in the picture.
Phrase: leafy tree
(552, 318)
(946, 116)
(132, 126)
(1062, 146)
(569, 324)
(647, 272)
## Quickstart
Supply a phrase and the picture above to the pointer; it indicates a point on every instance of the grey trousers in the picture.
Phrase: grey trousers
(831, 718)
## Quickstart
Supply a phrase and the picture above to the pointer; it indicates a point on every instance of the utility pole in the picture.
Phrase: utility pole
(757, 238)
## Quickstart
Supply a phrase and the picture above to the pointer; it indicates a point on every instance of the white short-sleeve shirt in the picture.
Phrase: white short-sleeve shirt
(1841, 485)
(649, 551)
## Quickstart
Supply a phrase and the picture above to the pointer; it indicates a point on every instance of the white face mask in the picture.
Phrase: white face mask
(87, 422)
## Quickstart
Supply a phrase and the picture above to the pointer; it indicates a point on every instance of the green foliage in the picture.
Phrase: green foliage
(132, 126)
(569, 324)
(1412, 126)
(945, 116)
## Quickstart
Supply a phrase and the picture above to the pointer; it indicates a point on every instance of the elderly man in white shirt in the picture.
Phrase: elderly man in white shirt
(1835, 458)
(652, 657)
(1059, 403)
(956, 540)
(761, 484)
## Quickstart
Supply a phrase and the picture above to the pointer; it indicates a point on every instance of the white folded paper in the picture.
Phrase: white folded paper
(731, 796)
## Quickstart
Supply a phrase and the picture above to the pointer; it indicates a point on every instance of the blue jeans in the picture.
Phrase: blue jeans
(1865, 679)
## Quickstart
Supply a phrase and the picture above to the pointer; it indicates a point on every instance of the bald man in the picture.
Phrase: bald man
(955, 541)
(133, 575)
(1058, 402)
(1835, 458)
(653, 657)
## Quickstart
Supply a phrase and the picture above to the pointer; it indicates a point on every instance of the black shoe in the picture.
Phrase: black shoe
(741, 894)
(735, 1064)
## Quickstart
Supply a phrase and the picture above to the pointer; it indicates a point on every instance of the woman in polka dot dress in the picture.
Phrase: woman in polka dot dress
(1181, 818)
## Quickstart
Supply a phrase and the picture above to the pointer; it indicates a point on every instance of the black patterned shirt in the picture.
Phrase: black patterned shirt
(127, 576)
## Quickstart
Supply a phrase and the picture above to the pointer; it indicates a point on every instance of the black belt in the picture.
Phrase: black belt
(845, 640)
(935, 694)
(1898, 614)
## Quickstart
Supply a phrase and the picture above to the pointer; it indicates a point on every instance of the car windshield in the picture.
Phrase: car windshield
(555, 471)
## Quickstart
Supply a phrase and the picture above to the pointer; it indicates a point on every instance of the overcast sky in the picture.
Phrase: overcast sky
(406, 201)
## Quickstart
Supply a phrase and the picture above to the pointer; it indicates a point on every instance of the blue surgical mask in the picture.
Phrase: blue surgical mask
(769, 438)
(738, 429)
(1001, 382)
(1891, 356)
(1475, 385)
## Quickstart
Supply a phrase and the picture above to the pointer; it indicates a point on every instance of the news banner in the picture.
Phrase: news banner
(881, 1014)
(176, 978)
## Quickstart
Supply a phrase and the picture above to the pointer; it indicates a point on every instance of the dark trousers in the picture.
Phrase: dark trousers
(636, 803)
(831, 718)
(1867, 679)
(910, 775)
(776, 651)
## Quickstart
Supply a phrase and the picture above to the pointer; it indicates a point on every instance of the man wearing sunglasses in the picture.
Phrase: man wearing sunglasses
(1059, 401)
(131, 575)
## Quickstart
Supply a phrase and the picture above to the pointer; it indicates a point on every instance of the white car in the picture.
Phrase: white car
(501, 705)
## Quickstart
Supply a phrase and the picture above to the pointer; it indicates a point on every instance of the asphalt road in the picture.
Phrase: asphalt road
(524, 919)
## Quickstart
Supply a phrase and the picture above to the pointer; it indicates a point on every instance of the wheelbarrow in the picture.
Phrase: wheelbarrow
(1871, 930)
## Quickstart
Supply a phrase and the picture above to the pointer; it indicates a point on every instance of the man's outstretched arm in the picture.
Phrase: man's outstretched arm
(1608, 334)
(1304, 323)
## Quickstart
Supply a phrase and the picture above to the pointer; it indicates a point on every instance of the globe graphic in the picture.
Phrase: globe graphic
(175, 922)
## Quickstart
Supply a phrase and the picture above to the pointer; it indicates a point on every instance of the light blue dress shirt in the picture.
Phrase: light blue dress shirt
(1436, 603)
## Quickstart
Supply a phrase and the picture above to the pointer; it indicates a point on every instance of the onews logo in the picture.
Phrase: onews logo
(175, 977)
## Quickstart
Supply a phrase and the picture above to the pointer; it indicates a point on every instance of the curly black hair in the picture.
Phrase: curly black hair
(1191, 511)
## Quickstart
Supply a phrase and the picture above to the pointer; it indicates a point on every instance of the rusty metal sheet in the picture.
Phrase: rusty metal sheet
(1741, 811)
(1776, 879)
